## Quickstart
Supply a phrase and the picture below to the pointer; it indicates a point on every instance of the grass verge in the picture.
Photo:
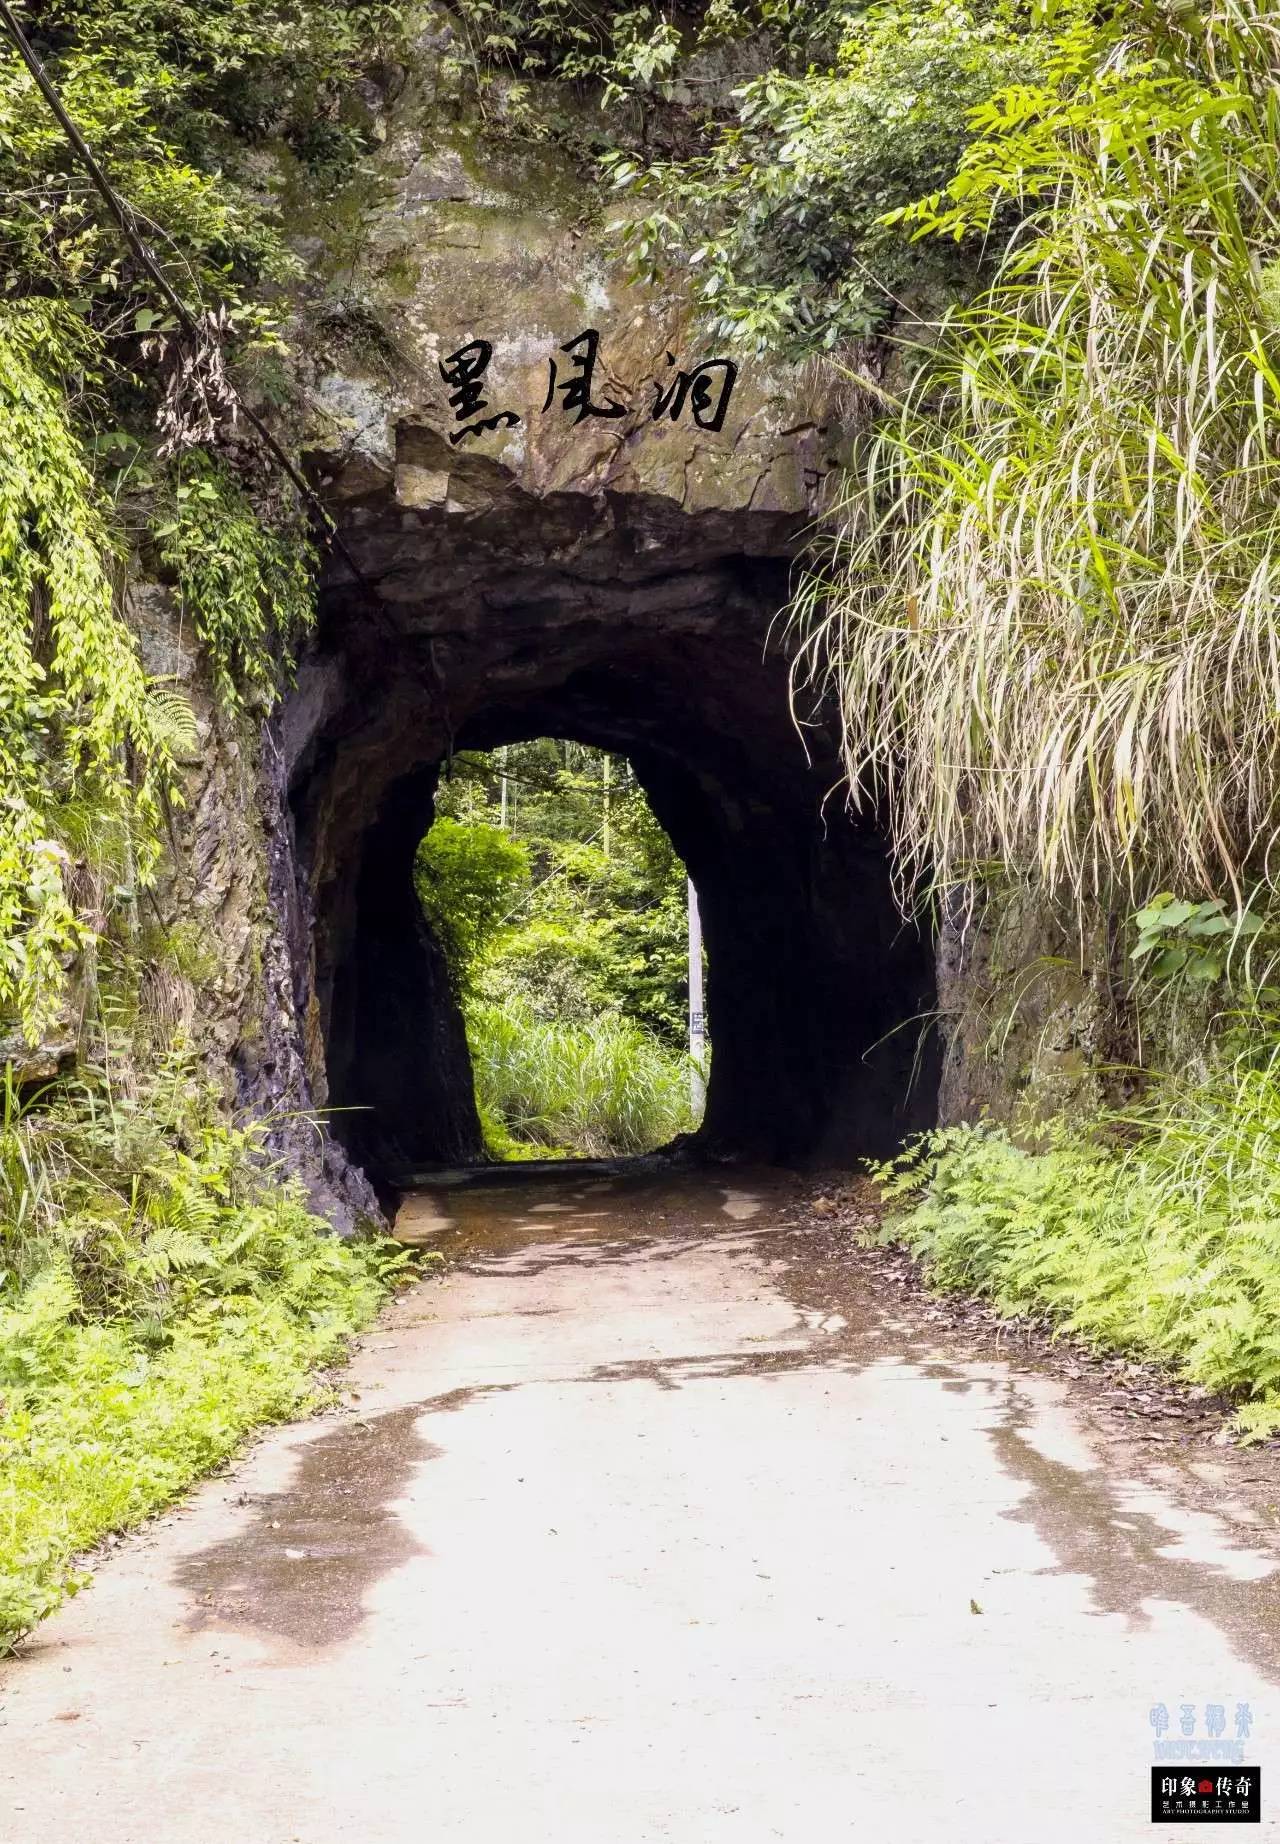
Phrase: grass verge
(1168, 1248)
(162, 1293)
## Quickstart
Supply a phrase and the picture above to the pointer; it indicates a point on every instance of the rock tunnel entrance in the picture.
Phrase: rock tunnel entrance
(501, 617)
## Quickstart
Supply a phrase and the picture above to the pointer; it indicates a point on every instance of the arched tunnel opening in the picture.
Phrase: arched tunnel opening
(571, 929)
(650, 636)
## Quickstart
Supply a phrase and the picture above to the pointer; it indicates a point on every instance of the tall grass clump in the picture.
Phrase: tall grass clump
(1049, 624)
(592, 1088)
(162, 1291)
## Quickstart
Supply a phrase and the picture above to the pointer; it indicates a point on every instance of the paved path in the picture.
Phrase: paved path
(643, 1529)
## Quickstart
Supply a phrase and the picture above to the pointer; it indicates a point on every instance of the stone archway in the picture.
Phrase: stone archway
(632, 622)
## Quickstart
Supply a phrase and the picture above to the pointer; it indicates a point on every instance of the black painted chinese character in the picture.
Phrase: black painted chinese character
(576, 391)
(463, 371)
(706, 394)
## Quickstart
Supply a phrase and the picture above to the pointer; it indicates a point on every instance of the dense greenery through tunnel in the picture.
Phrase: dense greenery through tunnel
(563, 911)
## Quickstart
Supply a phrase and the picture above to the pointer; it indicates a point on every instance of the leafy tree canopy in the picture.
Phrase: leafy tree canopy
(782, 218)
(601, 924)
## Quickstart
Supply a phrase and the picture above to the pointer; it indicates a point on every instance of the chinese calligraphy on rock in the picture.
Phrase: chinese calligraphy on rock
(703, 391)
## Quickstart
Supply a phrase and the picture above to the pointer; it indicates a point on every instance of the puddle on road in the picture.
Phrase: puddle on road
(302, 1567)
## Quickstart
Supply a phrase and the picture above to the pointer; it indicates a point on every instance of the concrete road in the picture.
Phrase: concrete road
(648, 1526)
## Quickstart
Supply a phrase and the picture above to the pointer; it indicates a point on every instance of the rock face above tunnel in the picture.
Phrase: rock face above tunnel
(575, 384)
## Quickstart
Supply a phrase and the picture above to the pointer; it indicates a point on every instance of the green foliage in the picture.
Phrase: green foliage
(170, 97)
(591, 1088)
(1178, 940)
(249, 586)
(568, 940)
(87, 747)
(162, 1291)
(1171, 1251)
(1050, 625)
(646, 963)
(557, 971)
(597, 77)
(468, 877)
(77, 729)
(780, 222)
(595, 936)
(507, 46)
(1155, 1229)
(597, 929)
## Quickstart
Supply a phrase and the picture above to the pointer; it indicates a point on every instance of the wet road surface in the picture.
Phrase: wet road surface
(644, 1525)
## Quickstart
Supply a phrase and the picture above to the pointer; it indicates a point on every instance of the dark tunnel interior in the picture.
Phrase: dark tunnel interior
(658, 645)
